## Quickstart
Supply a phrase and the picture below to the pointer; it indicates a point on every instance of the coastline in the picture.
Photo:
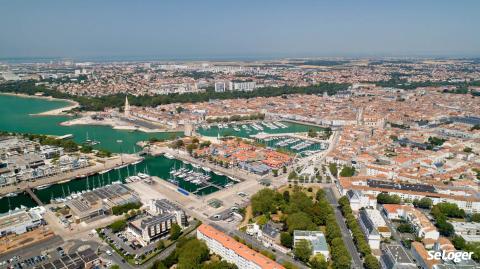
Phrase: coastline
(53, 112)
(114, 124)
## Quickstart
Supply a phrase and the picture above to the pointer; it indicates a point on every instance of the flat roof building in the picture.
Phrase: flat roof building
(316, 239)
(395, 257)
(20, 221)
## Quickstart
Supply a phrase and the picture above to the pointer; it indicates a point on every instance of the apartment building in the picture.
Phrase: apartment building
(465, 199)
(369, 230)
(359, 200)
(150, 228)
(232, 251)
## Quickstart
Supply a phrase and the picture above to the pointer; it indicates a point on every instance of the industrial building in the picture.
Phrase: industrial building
(21, 220)
(92, 204)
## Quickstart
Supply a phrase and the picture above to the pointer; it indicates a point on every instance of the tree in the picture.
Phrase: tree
(289, 265)
(343, 262)
(262, 220)
(118, 225)
(405, 228)
(292, 175)
(115, 266)
(371, 262)
(320, 195)
(347, 171)
(159, 265)
(284, 169)
(175, 231)
(333, 169)
(458, 242)
(286, 196)
(303, 250)
(385, 198)
(191, 254)
(448, 209)
(286, 239)
(425, 203)
(475, 217)
(264, 202)
(160, 244)
(300, 221)
(318, 262)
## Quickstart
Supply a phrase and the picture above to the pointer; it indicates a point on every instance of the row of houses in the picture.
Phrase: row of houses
(465, 199)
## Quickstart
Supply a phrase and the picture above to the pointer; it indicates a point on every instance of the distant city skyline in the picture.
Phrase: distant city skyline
(223, 30)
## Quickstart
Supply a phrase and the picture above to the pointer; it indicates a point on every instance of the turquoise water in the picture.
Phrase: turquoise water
(15, 117)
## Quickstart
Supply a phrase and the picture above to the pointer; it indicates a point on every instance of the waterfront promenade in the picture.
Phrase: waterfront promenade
(109, 163)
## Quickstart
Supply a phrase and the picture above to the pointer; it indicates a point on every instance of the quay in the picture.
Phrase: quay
(34, 197)
(237, 173)
(67, 176)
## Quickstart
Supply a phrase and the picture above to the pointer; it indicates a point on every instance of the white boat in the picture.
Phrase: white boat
(137, 162)
(121, 166)
(195, 165)
(206, 169)
(12, 194)
(43, 186)
(105, 171)
(143, 175)
(168, 155)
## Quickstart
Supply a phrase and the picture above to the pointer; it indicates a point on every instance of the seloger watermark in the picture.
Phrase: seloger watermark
(455, 256)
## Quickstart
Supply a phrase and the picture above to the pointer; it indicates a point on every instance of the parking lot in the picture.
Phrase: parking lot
(126, 244)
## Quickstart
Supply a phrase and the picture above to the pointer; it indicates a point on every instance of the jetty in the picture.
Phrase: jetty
(209, 184)
(34, 197)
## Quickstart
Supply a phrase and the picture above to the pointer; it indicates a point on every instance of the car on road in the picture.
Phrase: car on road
(60, 251)
(109, 253)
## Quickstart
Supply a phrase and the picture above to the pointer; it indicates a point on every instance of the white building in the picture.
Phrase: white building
(379, 222)
(395, 257)
(359, 200)
(21, 220)
(242, 86)
(470, 231)
(232, 251)
(369, 230)
(220, 86)
(316, 239)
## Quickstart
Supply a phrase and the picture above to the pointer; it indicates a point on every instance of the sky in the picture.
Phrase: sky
(239, 29)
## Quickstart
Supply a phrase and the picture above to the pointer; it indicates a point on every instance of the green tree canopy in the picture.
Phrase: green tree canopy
(303, 250)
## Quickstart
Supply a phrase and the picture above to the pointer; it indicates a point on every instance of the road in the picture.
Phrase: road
(34, 249)
(347, 237)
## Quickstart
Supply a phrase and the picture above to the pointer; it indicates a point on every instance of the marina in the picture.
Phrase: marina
(19, 119)
(293, 144)
(151, 166)
(250, 129)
